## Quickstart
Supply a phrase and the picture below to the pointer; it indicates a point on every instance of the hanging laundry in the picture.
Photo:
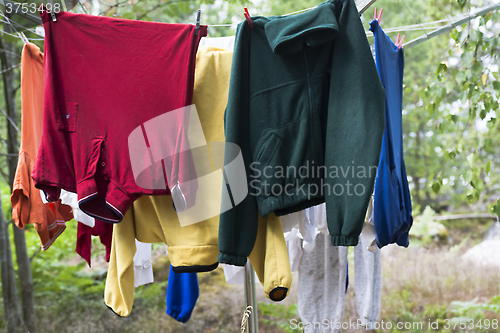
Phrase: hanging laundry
(106, 77)
(143, 266)
(182, 293)
(193, 248)
(322, 286)
(368, 282)
(27, 206)
(84, 239)
(153, 219)
(305, 85)
(71, 199)
(303, 229)
(268, 256)
(270, 260)
(225, 43)
(392, 212)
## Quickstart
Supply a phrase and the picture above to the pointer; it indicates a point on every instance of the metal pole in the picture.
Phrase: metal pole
(450, 26)
(253, 326)
(366, 7)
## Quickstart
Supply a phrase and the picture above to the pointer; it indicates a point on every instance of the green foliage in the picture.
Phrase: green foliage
(152, 295)
(474, 308)
(462, 106)
(477, 312)
(5, 197)
(280, 315)
(55, 277)
(426, 229)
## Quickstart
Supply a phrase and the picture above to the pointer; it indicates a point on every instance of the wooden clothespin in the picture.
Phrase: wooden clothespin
(52, 13)
(375, 17)
(399, 43)
(247, 16)
(198, 19)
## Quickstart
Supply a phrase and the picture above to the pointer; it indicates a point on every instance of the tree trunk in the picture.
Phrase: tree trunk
(24, 272)
(9, 286)
(23, 261)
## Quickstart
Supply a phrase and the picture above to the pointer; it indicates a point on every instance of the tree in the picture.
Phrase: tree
(23, 261)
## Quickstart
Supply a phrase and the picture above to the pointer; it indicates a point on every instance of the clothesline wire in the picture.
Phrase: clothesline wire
(411, 27)
(442, 8)
(25, 14)
(8, 33)
(8, 51)
(300, 11)
(411, 13)
(423, 9)
(12, 122)
(17, 36)
(11, 23)
(465, 19)
(19, 25)
(12, 26)
(14, 22)
(420, 26)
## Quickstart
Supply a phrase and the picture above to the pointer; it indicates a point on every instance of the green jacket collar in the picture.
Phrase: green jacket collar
(289, 34)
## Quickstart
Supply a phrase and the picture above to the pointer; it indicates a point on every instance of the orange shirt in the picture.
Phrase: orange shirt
(27, 205)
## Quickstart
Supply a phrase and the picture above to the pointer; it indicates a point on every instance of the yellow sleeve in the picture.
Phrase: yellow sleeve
(119, 290)
(269, 258)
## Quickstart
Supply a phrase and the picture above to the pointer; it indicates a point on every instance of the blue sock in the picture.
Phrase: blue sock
(182, 294)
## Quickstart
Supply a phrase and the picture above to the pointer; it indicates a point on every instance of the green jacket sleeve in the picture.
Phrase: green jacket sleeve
(354, 128)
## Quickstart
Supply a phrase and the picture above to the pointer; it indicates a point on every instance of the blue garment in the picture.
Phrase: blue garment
(182, 293)
(392, 214)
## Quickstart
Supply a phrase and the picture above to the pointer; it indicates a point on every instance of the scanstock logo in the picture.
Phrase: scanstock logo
(171, 151)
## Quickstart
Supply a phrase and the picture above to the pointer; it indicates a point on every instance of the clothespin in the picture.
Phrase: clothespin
(20, 34)
(379, 16)
(247, 16)
(198, 18)
(399, 43)
(23, 38)
(52, 13)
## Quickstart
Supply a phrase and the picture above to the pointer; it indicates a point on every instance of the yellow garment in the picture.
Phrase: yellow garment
(269, 258)
(194, 248)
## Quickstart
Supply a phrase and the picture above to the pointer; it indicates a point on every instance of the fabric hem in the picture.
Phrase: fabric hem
(278, 294)
(231, 259)
(342, 240)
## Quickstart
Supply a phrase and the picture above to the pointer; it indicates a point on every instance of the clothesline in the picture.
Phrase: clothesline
(457, 20)
(413, 27)
(296, 12)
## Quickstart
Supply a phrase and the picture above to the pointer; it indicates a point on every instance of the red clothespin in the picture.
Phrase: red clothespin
(399, 43)
(247, 16)
(375, 17)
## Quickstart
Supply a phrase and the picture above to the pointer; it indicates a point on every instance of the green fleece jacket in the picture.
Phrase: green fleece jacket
(306, 108)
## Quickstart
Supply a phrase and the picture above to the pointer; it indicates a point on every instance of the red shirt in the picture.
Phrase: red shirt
(104, 77)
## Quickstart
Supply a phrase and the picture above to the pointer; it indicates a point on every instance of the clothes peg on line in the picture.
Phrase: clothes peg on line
(23, 37)
(399, 42)
(379, 15)
(198, 18)
(247, 16)
(52, 13)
